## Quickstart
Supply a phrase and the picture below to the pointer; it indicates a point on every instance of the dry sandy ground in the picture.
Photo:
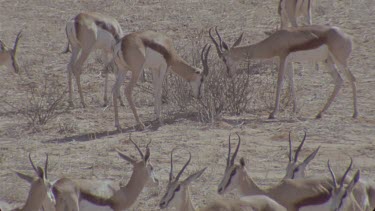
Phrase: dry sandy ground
(78, 154)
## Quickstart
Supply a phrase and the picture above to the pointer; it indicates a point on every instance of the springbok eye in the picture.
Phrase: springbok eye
(233, 172)
(177, 189)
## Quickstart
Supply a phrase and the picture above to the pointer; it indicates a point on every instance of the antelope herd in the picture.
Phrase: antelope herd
(154, 50)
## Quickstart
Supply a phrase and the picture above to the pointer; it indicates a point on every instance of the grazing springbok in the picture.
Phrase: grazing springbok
(8, 56)
(295, 170)
(87, 32)
(106, 194)
(40, 190)
(308, 43)
(153, 50)
(290, 10)
(178, 195)
(342, 198)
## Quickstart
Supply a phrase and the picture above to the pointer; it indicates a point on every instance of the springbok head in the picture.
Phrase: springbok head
(41, 187)
(142, 168)
(294, 169)
(341, 196)
(224, 52)
(233, 172)
(8, 57)
(198, 85)
(178, 191)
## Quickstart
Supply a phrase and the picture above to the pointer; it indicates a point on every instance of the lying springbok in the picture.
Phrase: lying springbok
(364, 191)
(87, 32)
(153, 50)
(105, 194)
(290, 10)
(40, 189)
(295, 170)
(309, 43)
(292, 194)
(178, 195)
(8, 56)
(342, 198)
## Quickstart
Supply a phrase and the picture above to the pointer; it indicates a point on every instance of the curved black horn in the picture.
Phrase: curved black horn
(333, 175)
(136, 146)
(32, 163)
(218, 48)
(171, 170)
(346, 173)
(299, 148)
(46, 165)
(183, 168)
(204, 56)
(220, 40)
(290, 148)
(19, 35)
(236, 151)
(229, 149)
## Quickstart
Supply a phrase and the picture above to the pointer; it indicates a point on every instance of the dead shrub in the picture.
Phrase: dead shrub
(252, 89)
(41, 100)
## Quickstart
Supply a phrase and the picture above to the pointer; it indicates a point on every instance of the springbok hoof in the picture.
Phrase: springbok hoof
(319, 116)
(140, 127)
(355, 115)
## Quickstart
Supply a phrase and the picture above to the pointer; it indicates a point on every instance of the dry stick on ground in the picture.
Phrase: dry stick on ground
(153, 50)
(310, 43)
(178, 194)
(87, 32)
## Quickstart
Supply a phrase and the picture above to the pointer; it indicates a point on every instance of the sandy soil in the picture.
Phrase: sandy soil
(88, 150)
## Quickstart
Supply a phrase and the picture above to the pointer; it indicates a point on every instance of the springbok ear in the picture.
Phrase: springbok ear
(193, 177)
(353, 182)
(238, 41)
(242, 162)
(311, 157)
(125, 157)
(25, 177)
(147, 155)
(40, 172)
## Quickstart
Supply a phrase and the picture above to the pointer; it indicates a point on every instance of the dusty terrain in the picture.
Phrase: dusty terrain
(87, 148)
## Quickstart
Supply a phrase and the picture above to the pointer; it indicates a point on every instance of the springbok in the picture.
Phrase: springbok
(302, 194)
(178, 195)
(87, 32)
(105, 194)
(41, 187)
(308, 43)
(342, 198)
(8, 56)
(364, 191)
(290, 10)
(295, 170)
(154, 50)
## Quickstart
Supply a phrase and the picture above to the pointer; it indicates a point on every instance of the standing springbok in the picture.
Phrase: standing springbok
(105, 194)
(309, 43)
(290, 10)
(8, 56)
(178, 195)
(295, 170)
(41, 187)
(87, 32)
(154, 50)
